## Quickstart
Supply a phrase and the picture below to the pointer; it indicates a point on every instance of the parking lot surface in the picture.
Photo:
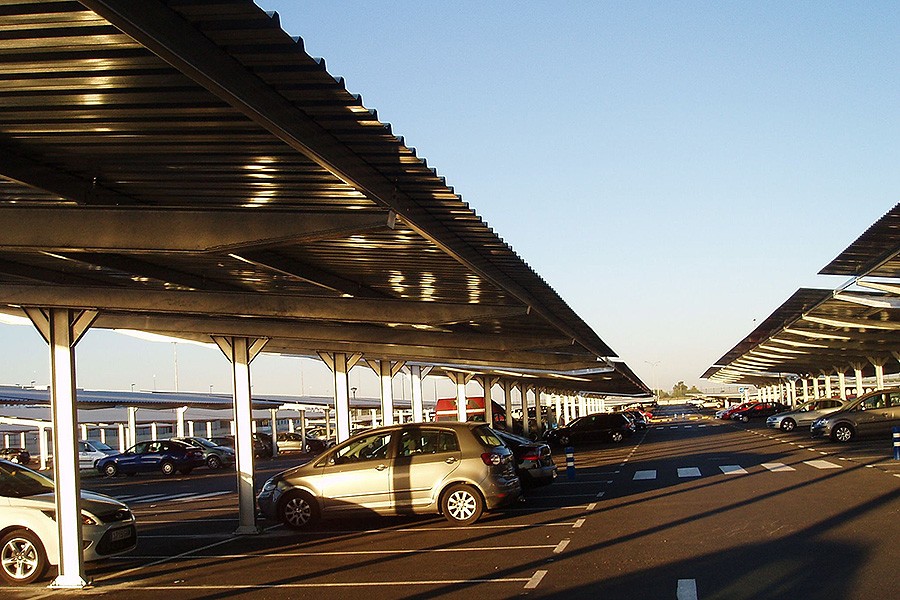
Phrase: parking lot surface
(690, 508)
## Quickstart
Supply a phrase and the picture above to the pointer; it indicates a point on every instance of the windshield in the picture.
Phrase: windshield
(19, 482)
(101, 446)
(203, 442)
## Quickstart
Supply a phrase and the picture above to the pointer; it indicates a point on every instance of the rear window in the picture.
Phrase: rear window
(487, 437)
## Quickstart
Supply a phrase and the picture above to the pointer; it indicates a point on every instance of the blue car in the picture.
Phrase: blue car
(166, 456)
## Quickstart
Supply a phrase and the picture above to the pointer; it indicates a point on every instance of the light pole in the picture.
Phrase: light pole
(653, 365)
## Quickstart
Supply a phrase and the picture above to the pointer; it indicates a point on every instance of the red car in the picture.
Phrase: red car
(727, 412)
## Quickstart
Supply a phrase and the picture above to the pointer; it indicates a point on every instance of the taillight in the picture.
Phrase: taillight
(533, 455)
(490, 458)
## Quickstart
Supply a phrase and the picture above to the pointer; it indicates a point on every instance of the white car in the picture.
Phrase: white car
(90, 451)
(28, 532)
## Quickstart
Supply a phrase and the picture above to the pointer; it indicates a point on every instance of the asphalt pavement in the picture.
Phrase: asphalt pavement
(690, 508)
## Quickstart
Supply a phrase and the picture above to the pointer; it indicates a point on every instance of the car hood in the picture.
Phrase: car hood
(90, 502)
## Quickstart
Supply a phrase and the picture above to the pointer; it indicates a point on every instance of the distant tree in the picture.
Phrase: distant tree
(680, 390)
(694, 391)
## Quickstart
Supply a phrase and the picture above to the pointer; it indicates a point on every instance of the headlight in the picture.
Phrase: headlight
(87, 519)
(270, 485)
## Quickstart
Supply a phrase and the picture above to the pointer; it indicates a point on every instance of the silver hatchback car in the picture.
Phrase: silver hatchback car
(805, 414)
(874, 413)
(455, 469)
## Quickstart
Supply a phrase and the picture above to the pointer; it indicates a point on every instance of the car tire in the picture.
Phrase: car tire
(110, 469)
(167, 467)
(788, 425)
(214, 462)
(745, 419)
(563, 440)
(298, 510)
(461, 504)
(843, 433)
(616, 436)
(22, 557)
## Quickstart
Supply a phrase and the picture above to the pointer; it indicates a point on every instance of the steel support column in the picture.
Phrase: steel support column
(507, 402)
(386, 370)
(417, 374)
(240, 352)
(340, 365)
(62, 329)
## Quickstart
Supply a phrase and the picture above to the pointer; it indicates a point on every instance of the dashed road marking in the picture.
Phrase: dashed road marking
(689, 472)
(644, 475)
(535, 580)
(687, 589)
(778, 467)
(560, 547)
(732, 470)
(821, 464)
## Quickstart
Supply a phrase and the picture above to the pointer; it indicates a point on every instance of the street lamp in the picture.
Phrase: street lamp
(653, 365)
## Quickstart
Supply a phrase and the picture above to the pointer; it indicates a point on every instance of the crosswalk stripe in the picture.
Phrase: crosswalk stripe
(639, 475)
(732, 470)
(689, 472)
(778, 467)
(821, 464)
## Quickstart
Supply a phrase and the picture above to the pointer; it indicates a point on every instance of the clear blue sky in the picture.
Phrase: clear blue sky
(674, 170)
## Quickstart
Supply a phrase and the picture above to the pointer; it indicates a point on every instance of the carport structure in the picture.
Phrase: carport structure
(185, 168)
(818, 334)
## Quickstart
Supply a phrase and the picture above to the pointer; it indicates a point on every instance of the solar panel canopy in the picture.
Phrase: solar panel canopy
(186, 168)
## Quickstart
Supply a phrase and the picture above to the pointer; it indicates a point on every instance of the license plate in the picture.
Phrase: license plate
(121, 534)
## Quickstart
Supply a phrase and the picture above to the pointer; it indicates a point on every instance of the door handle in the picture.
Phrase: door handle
(450, 460)
(381, 467)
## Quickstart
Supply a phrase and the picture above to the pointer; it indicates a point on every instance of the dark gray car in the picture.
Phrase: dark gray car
(455, 469)
(875, 413)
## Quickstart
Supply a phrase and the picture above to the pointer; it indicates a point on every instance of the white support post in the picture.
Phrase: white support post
(154, 431)
(340, 365)
(523, 395)
(179, 421)
(805, 384)
(44, 447)
(879, 377)
(507, 402)
(209, 429)
(842, 383)
(417, 375)
(190, 428)
(558, 399)
(582, 406)
(132, 426)
(487, 382)
(62, 329)
(303, 430)
(273, 419)
(566, 412)
(386, 370)
(240, 352)
(858, 376)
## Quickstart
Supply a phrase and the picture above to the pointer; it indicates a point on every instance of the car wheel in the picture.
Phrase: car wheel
(22, 557)
(167, 467)
(788, 425)
(745, 418)
(563, 440)
(214, 462)
(110, 469)
(462, 504)
(298, 510)
(617, 436)
(842, 433)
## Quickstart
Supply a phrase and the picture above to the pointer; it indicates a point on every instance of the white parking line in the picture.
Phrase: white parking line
(560, 547)
(821, 464)
(578, 524)
(687, 589)
(732, 470)
(535, 580)
(778, 467)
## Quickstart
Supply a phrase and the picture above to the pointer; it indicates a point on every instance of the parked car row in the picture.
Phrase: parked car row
(872, 414)
(19, 456)
(594, 428)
